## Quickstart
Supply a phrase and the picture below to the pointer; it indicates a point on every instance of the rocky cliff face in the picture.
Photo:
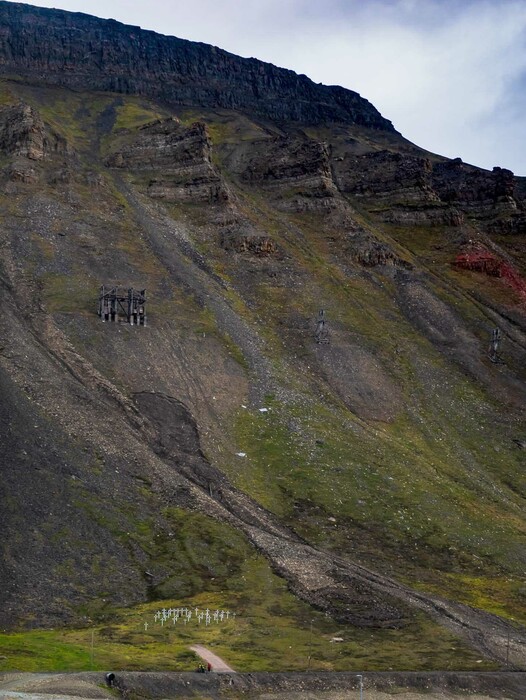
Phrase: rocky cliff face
(415, 190)
(27, 142)
(295, 173)
(74, 50)
(177, 159)
(22, 133)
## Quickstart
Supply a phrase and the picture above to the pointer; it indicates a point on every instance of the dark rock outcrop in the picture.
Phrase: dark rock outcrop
(398, 186)
(283, 159)
(514, 224)
(350, 243)
(296, 173)
(370, 252)
(243, 240)
(22, 132)
(179, 160)
(26, 140)
(410, 190)
(454, 181)
(74, 50)
(387, 175)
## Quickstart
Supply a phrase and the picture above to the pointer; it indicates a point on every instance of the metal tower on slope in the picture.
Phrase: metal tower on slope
(321, 334)
(496, 337)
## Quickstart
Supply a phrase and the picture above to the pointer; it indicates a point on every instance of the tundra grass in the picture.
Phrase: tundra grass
(403, 505)
(74, 293)
(272, 631)
(427, 482)
(420, 491)
(6, 94)
(504, 595)
(133, 114)
(224, 127)
(84, 118)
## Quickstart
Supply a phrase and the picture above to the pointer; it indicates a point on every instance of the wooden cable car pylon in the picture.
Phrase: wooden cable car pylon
(130, 304)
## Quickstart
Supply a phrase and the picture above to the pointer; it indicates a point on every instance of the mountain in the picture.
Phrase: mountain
(329, 390)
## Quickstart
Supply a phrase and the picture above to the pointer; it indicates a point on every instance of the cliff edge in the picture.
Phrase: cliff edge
(74, 50)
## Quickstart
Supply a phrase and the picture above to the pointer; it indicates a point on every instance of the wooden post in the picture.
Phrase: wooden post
(113, 304)
(130, 306)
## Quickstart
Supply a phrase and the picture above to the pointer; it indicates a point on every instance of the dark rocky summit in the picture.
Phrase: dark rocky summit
(78, 51)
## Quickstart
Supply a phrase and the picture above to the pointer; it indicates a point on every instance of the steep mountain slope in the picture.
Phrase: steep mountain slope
(374, 455)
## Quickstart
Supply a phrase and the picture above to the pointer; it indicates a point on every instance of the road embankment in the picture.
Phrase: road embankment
(266, 686)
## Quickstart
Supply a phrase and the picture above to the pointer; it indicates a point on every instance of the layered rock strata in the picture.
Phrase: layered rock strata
(410, 190)
(26, 141)
(178, 159)
(296, 173)
(74, 50)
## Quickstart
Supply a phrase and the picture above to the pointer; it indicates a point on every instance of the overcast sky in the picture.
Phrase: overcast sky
(450, 74)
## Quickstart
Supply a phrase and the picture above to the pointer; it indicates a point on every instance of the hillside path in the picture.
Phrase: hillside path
(218, 665)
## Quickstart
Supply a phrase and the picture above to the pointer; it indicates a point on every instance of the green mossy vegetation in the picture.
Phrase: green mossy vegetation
(133, 114)
(407, 501)
(69, 293)
(272, 631)
(423, 488)
(89, 122)
(6, 94)
(214, 566)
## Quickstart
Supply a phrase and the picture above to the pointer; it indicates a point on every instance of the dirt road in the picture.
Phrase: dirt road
(218, 665)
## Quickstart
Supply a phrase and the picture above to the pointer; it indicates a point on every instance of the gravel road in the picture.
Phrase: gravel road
(218, 665)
